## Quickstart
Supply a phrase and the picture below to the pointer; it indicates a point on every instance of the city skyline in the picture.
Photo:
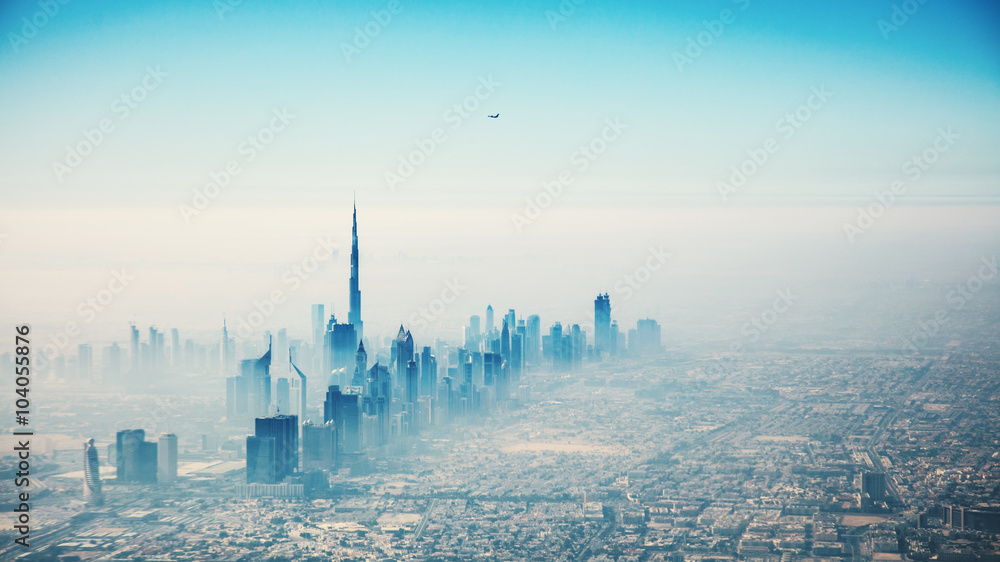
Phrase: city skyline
(712, 281)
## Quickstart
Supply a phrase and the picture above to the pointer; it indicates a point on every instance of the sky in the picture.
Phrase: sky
(833, 99)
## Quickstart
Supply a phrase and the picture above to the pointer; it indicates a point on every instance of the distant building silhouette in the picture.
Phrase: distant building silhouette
(262, 460)
(92, 493)
(319, 446)
(602, 327)
(273, 450)
(227, 351)
(533, 340)
(552, 348)
(282, 396)
(318, 316)
(401, 353)
(303, 405)
(343, 342)
(238, 392)
(261, 384)
(85, 361)
(377, 402)
(175, 349)
(578, 344)
(134, 352)
(167, 458)
(360, 366)
(344, 410)
(428, 372)
(135, 457)
(645, 340)
(111, 362)
(354, 314)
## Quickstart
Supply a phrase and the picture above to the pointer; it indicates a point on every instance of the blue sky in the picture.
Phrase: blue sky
(680, 133)
(686, 129)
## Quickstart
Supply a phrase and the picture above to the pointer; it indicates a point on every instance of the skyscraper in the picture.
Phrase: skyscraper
(344, 411)
(262, 384)
(175, 349)
(134, 351)
(354, 314)
(491, 369)
(360, 366)
(412, 383)
(136, 457)
(343, 350)
(85, 361)
(318, 328)
(167, 458)
(302, 382)
(282, 396)
(602, 326)
(533, 340)
(227, 351)
(238, 391)
(647, 340)
(281, 351)
(378, 399)
(111, 362)
(428, 372)
(489, 318)
(284, 432)
(262, 460)
(516, 356)
(154, 357)
(411, 395)
(92, 493)
(402, 353)
(555, 351)
(505, 341)
(873, 487)
(319, 446)
(579, 344)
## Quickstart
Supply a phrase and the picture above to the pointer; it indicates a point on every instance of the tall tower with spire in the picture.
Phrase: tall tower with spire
(354, 314)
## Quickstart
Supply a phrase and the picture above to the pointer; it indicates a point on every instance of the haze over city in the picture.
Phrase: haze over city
(574, 280)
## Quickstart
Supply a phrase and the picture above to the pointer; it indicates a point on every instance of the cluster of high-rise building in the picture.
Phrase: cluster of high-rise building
(369, 406)
(136, 460)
